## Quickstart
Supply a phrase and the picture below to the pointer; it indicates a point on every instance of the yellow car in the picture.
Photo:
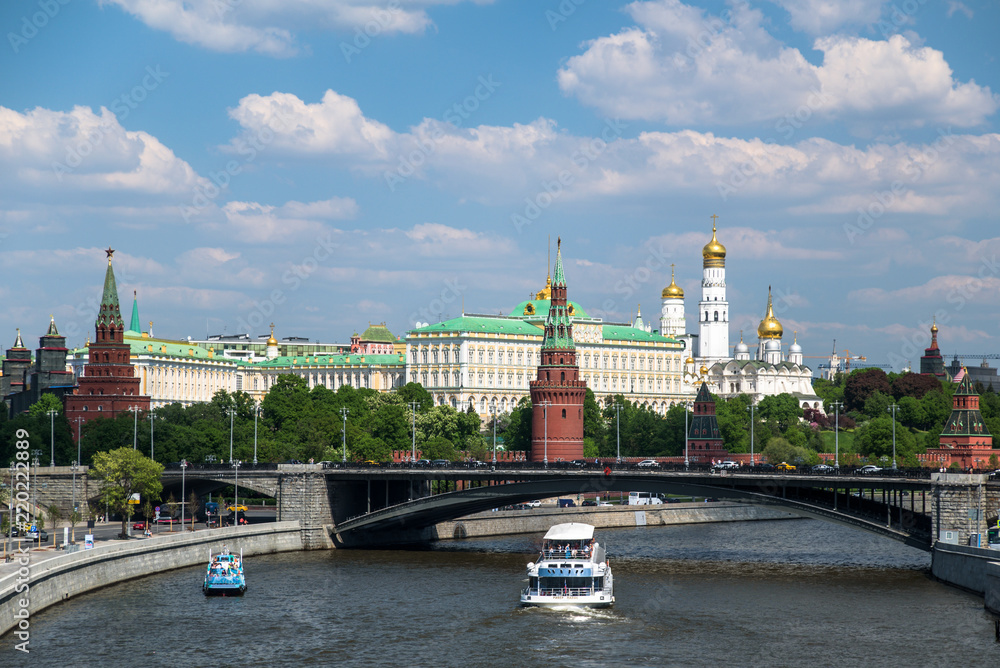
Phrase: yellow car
(240, 508)
(784, 466)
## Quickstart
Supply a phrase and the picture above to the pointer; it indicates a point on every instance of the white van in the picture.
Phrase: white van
(644, 499)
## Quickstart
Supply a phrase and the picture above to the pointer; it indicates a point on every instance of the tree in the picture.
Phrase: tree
(914, 385)
(122, 473)
(863, 383)
(779, 449)
(438, 447)
(779, 411)
(416, 392)
(517, 436)
(877, 404)
(874, 438)
(56, 515)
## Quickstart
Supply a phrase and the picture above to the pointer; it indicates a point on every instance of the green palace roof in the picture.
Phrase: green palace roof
(353, 359)
(630, 333)
(379, 333)
(540, 310)
(485, 324)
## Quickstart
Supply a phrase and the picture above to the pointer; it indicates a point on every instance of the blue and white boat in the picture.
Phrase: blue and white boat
(572, 570)
(225, 574)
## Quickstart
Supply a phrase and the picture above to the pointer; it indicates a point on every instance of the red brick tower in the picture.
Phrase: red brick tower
(704, 437)
(965, 436)
(109, 385)
(558, 393)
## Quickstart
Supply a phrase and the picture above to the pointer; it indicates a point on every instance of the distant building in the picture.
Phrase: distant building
(557, 393)
(704, 437)
(48, 375)
(108, 385)
(931, 363)
(965, 436)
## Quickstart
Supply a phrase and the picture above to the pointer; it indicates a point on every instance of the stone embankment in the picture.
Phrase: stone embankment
(539, 519)
(51, 577)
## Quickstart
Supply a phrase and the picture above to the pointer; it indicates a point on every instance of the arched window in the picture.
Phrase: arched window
(563, 374)
(564, 413)
(716, 316)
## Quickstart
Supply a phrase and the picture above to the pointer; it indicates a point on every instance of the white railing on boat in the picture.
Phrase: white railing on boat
(583, 555)
(564, 591)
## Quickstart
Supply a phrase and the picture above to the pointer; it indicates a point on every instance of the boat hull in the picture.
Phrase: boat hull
(211, 590)
(595, 601)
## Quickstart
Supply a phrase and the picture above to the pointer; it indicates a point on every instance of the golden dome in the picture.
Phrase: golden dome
(934, 327)
(703, 370)
(672, 291)
(769, 327)
(546, 292)
(689, 360)
(714, 253)
(271, 341)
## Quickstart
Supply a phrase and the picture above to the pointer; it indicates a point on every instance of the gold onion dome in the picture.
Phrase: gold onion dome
(714, 252)
(769, 327)
(271, 341)
(673, 291)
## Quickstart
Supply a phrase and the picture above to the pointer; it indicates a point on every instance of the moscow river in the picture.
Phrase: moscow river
(779, 593)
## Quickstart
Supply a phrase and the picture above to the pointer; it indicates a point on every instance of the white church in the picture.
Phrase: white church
(707, 354)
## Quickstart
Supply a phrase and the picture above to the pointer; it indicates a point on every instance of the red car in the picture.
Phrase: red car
(139, 526)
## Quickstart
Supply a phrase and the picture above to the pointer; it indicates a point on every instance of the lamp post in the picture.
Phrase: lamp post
(152, 418)
(232, 411)
(52, 438)
(78, 421)
(135, 424)
(545, 435)
(618, 430)
(686, 460)
(72, 509)
(184, 466)
(413, 430)
(236, 494)
(751, 408)
(256, 411)
(35, 455)
(892, 409)
(493, 409)
(343, 433)
(837, 405)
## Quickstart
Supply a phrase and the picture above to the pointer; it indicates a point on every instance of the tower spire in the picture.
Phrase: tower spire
(135, 326)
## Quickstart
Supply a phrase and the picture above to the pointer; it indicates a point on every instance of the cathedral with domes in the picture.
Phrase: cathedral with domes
(708, 357)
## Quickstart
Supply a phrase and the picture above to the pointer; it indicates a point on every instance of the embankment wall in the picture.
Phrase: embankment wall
(51, 579)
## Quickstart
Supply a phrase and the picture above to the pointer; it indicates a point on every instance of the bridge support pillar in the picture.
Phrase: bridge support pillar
(306, 498)
(961, 505)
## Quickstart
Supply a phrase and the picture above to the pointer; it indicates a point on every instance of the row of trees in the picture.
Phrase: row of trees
(298, 423)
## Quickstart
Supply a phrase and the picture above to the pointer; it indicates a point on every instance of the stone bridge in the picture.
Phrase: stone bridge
(358, 506)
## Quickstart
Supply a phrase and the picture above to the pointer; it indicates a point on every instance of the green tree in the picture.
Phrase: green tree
(122, 473)
(439, 447)
(779, 412)
(874, 438)
(416, 392)
(863, 383)
(877, 404)
(911, 413)
(517, 436)
(914, 385)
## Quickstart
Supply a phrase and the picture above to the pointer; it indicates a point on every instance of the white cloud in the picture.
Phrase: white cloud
(266, 26)
(55, 152)
(947, 289)
(822, 17)
(252, 222)
(680, 65)
(954, 7)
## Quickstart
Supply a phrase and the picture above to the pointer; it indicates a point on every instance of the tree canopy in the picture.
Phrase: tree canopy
(122, 473)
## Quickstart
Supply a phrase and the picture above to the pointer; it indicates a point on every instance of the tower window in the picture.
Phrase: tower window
(564, 413)
(716, 316)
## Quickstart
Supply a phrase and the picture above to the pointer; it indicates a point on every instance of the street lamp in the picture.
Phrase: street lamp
(837, 405)
(78, 421)
(35, 455)
(135, 424)
(892, 409)
(545, 437)
(236, 494)
(686, 460)
(52, 437)
(751, 408)
(493, 412)
(413, 452)
(256, 411)
(232, 411)
(184, 466)
(618, 430)
(10, 511)
(343, 432)
(152, 417)
(73, 467)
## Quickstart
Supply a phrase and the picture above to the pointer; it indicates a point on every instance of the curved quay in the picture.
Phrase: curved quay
(51, 578)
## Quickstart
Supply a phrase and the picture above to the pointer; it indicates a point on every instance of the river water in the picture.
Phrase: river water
(783, 593)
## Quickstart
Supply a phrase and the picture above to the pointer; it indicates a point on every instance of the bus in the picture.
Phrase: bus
(644, 499)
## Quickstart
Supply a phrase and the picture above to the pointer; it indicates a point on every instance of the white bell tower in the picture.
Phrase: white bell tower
(713, 309)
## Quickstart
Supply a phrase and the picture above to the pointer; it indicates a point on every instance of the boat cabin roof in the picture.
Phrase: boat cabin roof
(570, 531)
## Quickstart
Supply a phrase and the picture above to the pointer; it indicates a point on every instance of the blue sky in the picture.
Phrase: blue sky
(326, 164)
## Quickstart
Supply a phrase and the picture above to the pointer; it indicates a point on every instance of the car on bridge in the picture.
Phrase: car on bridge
(784, 466)
(722, 466)
(822, 468)
(440, 463)
(422, 462)
(240, 507)
(868, 469)
(648, 464)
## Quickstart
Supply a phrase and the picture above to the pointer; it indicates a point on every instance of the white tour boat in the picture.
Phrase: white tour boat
(572, 570)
